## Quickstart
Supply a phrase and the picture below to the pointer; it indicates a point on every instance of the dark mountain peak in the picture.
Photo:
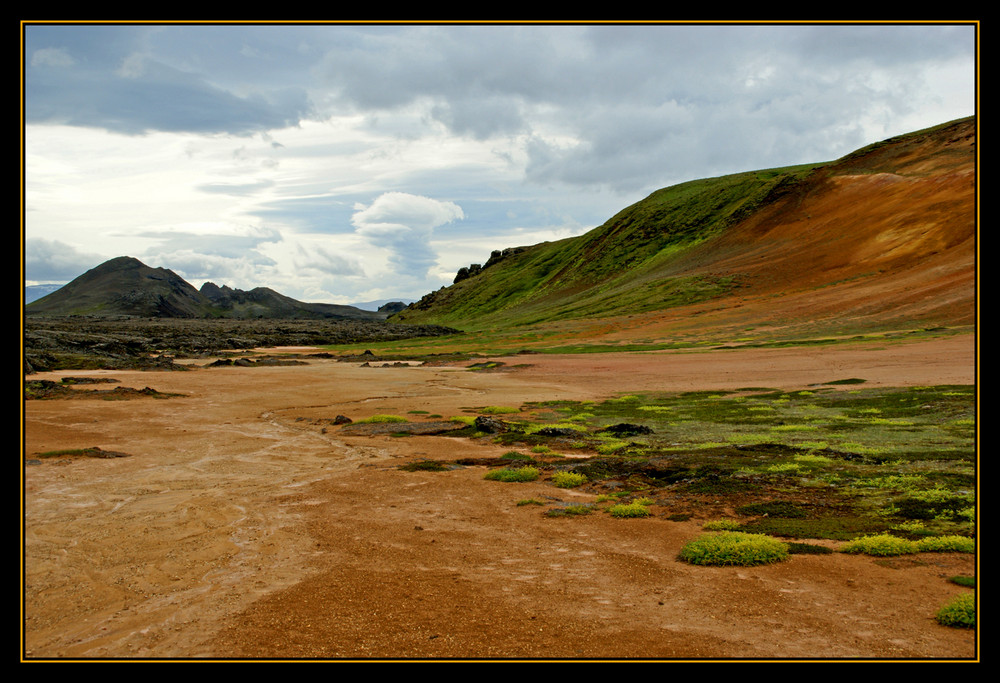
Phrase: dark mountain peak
(119, 263)
(211, 290)
(215, 292)
(125, 286)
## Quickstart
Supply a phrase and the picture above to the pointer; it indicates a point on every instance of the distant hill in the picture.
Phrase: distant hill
(884, 236)
(393, 305)
(35, 292)
(124, 286)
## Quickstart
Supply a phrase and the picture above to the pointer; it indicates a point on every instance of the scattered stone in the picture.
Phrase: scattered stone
(250, 362)
(491, 425)
(86, 342)
(342, 420)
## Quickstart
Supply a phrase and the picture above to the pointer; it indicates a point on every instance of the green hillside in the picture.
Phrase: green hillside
(623, 266)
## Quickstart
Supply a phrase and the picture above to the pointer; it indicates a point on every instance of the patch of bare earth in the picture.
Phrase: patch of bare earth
(239, 527)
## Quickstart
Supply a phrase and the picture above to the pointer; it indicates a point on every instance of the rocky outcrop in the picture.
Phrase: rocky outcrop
(496, 257)
(626, 429)
(491, 425)
(392, 307)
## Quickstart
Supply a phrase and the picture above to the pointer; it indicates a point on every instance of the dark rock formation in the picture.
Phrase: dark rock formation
(496, 256)
(491, 425)
(626, 429)
(392, 307)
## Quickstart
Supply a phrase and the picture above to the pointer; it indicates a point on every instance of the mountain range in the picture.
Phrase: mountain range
(124, 286)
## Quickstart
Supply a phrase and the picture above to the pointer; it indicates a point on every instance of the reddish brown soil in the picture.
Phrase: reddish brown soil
(885, 241)
(237, 529)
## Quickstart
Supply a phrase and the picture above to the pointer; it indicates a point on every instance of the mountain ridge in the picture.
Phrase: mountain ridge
(126, 287)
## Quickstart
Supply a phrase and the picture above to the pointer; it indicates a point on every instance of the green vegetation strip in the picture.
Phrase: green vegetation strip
(837, 461)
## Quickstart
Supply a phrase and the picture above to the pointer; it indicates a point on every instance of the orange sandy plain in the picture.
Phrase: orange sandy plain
(239, 527)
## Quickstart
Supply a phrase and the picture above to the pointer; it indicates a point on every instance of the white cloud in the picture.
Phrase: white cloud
(52, 56)
(54, 261)
(403, 224)
(524, 129)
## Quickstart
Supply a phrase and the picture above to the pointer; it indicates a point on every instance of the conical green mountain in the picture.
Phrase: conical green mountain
(883, 236)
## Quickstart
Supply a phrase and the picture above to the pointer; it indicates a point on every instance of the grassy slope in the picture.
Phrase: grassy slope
(622, 266)
(795, 243)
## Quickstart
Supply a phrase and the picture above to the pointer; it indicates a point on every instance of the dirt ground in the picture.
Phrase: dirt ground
(238, 528)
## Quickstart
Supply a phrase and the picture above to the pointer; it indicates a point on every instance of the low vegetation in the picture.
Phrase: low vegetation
(514, 474)
(633, 509)
(381, 419)
(820, 463)
(959, 612)
(734, 548)
(880, 545)
(568, 480)
(873, 471)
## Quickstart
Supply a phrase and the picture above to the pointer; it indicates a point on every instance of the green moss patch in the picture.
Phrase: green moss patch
(510, 474)
(959, 612)
(734, 548)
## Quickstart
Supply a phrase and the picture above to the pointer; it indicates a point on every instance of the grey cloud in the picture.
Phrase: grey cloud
(242, 246)
(483, 117)
(637, 98)
(54, 261)
(311, 214)
(74, 79)
(625, 108)
(239, 190)
(320, 260)
(197, 266)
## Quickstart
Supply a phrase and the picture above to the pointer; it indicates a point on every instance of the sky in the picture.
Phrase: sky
(346, 163)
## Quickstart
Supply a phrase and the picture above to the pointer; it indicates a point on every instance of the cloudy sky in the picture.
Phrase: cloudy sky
(350, 163)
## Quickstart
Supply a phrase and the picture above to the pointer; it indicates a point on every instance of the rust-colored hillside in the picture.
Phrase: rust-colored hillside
(882, 239)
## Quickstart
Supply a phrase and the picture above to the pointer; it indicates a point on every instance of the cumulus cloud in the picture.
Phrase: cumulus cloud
(403, 224)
